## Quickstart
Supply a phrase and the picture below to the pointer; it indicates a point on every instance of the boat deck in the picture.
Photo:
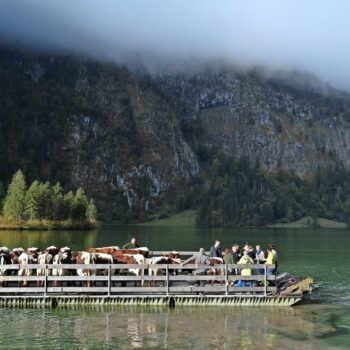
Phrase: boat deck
(114, 284)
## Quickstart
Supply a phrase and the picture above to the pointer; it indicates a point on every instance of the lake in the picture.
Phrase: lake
(321, 323)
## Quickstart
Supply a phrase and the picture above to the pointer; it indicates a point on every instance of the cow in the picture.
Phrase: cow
(15, 253)
(215, 271)
(86, 258)
(28, 257)
(46, 258)
(103, 250)
(161, 260)
(52, 250)
(130, 259)
(64, 256)
(143, 251)
(5, 259)
(105, 259)
(174, 255)
(34, 253)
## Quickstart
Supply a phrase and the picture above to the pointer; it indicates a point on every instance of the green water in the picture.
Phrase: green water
(322, 323)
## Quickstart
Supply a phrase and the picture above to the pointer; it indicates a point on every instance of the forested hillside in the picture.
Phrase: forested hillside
(243, 148)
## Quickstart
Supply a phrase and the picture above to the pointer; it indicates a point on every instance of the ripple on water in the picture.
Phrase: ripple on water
(321, 327)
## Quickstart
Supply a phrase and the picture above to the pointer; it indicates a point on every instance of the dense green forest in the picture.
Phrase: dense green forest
(43, 201)
(240, 194)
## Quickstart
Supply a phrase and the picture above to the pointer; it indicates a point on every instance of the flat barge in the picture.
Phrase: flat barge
(133, 284)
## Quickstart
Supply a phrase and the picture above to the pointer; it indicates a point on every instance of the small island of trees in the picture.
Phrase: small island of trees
(45, 206)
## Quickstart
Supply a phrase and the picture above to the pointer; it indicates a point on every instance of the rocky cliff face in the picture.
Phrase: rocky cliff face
(128, 137)
(274, 122)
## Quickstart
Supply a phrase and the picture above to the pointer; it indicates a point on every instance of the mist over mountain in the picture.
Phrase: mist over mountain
(176, 35)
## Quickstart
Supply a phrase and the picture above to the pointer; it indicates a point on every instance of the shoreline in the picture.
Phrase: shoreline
(47, 225)
(188, 219)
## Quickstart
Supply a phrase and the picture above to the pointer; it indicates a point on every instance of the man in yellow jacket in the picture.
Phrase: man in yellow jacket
(244, 260)
(270, 260)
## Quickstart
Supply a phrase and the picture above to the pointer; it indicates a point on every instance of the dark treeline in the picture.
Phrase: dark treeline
(240, 194)
(43, 201)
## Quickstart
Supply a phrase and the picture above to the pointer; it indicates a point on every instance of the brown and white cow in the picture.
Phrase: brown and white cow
(142, 250)
(161, 260)
(103, 250)
(64, 256)
(28, 257)
(104, 259)
(5, 259)
(46, 258)
(130, 259)
(15, 253)
(174, 255)
(86, 258)
(216, 271)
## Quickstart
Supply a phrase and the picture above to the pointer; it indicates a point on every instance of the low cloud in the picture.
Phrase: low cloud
(310, 35)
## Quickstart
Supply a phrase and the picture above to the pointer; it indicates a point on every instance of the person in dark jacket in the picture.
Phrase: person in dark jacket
(236, 257)
(215, 250)
(131, 245)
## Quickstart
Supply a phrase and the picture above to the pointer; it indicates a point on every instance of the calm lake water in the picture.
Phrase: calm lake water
(321, 323)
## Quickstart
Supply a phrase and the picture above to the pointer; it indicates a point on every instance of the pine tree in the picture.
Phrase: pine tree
(80, 204)
(91, 211)
(68, 201)
(44, 201)
(32, 201)
(15, 201)
(59, 210)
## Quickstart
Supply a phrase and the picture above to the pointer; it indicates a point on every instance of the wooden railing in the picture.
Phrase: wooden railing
(116, 279)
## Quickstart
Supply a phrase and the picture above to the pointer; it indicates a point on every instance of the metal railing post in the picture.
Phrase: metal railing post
(167, 280)
(226, 280)
(109, 281)
(45, 282)
(265, 282)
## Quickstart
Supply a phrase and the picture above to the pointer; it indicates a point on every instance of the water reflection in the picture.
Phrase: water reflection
(309, 327)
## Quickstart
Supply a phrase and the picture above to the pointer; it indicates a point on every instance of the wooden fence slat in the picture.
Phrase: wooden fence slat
(138, 278)
(77, 289)
(22, 278)
(9, 290)
(251, 289)
(144, 290)
(77, 278)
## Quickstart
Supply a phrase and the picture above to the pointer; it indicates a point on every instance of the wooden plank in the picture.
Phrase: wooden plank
(192, 278)
(138, 278)
(130, 266)
(219, 266)
(167, 252)
(250, 278)
(77, 289)
(14, 290)
(251, 289)
(9, 267)
(22, 278)
(138, 289)
(188, 289)
(77, 278)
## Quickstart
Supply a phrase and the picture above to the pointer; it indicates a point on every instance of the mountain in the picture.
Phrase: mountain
(139, 143)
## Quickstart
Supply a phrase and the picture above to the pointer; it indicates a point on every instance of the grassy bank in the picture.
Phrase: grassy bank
(46, 225)
(186, 218)
(306, 222)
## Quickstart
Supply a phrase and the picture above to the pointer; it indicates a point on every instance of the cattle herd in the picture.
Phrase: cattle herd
(92, 256)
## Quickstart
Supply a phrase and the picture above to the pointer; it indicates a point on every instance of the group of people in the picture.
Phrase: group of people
(235, 255)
